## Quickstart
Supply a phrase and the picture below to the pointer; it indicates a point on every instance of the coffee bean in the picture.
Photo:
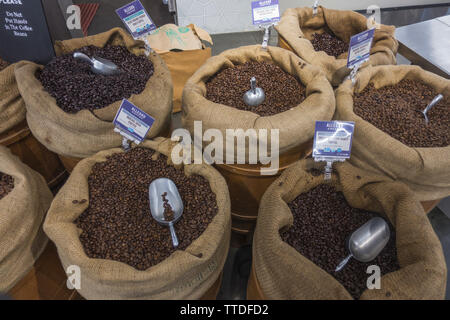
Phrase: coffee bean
(396, 110)
(283, 91)
(118, 224)
(6, 184)
(330, 44)
(3, 64)
(323, 220)
(75, 87)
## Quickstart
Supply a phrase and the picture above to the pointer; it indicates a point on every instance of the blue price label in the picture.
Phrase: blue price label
(265, 11)
(136, 19)
(333, 140)
(359, 48)
(132, 122)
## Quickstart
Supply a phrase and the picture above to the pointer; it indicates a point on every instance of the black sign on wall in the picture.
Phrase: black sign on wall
(24, 33)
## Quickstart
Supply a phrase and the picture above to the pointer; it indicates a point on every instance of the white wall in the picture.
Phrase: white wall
(223, 16)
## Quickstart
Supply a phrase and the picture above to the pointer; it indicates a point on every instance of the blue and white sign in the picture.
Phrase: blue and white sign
(136, 18)
(132, 122)
(333, 140)
(265, 11)
(359, 48)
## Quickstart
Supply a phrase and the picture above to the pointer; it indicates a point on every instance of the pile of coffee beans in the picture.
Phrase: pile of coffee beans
(332, 45)
(3, 64)
(323, 221)
(168, 211)
(118, 224)
(75, 87)
(396, 110)
(6, 184)
(283, 91)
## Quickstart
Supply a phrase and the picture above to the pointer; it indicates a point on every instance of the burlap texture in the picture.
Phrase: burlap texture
(283, 273)
(424, 170)
(296, 126)
(86, 132)
(297, 25)
(12, 107)
(181, 276)
(22, 213)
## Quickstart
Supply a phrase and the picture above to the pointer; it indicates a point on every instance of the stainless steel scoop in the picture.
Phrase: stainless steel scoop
(157, 188)
(99, 65)
(432, 103)
(255, 96)
(367, 241)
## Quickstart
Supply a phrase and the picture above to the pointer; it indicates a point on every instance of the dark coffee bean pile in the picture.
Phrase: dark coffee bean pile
(3, 64)
(323, 221)
(168, 211)
(6, 184)
(396, 111)
(332, 45)
(282, 90)
(118, 224)
(75, 87)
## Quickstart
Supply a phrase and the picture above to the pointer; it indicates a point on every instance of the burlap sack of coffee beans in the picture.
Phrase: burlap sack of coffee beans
(424, 170)
(22, 213)
(296, 126)
(12, 106)
(186, 274)
(297, 26)
(86, 132)
(283, 273)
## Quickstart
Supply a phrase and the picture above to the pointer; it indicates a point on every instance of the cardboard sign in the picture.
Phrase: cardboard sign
(265, 11)
(24, 32)
(359, 48)
(333, 140)
(136, 19)
(132, 122)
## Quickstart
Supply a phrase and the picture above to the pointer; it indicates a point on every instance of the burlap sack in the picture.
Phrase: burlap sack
(296, 126)
(87, 132)
(424, 170)
(283, 273)
(181, 276)
(12, 107)
(297, 25)
(22, 213)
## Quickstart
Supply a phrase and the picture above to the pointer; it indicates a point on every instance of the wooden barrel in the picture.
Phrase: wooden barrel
(247, 186)
(31, 152)
(47, 281)
(283, 44)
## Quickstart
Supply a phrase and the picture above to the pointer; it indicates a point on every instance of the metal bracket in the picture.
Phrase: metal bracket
(266, 37)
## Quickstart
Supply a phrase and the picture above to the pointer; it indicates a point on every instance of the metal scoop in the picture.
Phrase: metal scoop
(99, 65)
(157, 188)
(432, 103)
(255, 96)
(367, 241)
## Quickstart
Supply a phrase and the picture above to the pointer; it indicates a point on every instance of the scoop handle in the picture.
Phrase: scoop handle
(82, 56)
(342, 264)
(174, 235)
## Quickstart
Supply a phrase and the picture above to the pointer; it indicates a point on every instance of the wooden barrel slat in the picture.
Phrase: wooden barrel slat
(31, 152)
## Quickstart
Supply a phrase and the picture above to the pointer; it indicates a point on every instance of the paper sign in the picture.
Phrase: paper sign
(132, 122)
(265, 11)
(359, 48)
(136, 18)
(333, 140)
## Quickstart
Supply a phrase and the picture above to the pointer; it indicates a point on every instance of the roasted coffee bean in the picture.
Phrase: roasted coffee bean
(118, 224)
(168, 211)
(3, 64)
(75, 87)
(323, 221)
(283, 91)
(330, 44)
(6, 184)
(396, 110)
